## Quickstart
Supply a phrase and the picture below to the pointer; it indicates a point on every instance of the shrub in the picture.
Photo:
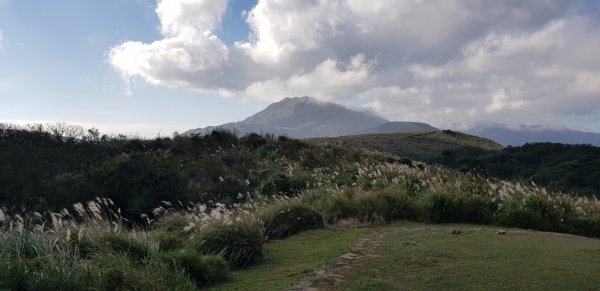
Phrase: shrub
(281, 183)
(253, 140)
(344, 179)
(588, 226)
(168, 241)
(452, 207)
(521, 218)
(241, 242)
(87, 247)
(127, 245)
(553, 212)
(204, 269)
(385, 204)
(371, 207)
(285, 219)
(119, 273)
(340, 206)
(169, 232)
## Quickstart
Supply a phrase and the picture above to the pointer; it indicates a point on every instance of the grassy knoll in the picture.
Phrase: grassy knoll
(423, 146)
(416, 256)
(288, 261)
(478, 259)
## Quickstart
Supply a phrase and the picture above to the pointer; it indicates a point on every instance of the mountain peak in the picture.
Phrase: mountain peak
(302, 117)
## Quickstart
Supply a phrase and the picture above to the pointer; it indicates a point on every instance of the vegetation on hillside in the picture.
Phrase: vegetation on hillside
(560, 167)
(428, 146)
(207, 205)
(48, 167)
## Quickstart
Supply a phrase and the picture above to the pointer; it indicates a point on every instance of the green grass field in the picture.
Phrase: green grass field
(415, 256)
(288, 261)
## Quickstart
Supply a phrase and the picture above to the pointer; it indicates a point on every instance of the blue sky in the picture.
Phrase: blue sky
(150, 67)
(53, 68)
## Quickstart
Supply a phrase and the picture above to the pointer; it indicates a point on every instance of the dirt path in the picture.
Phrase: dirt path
(332, 273)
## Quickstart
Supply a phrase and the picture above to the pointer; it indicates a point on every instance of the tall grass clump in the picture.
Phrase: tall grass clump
(377, 206)
(290, 217)
(135, 247)
(240, 241)
(170, 232)
(387, 204)
(442, 207)
(205, 270)
(118, 272)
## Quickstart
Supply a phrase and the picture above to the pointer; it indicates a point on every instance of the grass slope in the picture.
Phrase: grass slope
(479, 259)
(289, 260)
(424, 146)
(427, 257)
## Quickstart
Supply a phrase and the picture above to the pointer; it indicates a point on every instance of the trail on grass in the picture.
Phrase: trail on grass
(332, 274)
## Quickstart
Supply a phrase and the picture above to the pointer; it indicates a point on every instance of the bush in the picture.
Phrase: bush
(588, 226)
(204, 269)
(119, 273)
(286, 219)
(122, 243)
(387, 205)
(452, 207)
(521, 218)
(241, 243)
(371, 207)
(169, 232)
(340, 206)
(553, 212)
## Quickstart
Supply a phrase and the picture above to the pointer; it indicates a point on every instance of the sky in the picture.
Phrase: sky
(151, 67)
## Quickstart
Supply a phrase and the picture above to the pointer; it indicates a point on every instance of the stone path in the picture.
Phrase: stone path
(331, 274)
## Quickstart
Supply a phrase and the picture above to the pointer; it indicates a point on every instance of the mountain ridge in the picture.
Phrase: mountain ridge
(301, 117)
(527, 134)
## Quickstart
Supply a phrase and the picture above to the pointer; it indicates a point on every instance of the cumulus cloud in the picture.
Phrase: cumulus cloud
(448, 62)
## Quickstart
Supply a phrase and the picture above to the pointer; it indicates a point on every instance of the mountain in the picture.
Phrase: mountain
(528, 134)
(398, 126)
(424, 146)
(301, 117)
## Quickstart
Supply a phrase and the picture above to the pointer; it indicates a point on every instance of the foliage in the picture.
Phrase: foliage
(240, 242)
(205, 270)
(288, 218)
(453, 207)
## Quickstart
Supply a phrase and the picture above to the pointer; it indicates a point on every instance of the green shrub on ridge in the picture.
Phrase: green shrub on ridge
(285, 219)
(240, 242)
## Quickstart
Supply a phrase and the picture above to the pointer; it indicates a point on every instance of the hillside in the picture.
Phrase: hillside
(564, 167)
(300, 117)
(187, 213)
(397, 127)
(561, 167)
(432, 146)
(518, 137)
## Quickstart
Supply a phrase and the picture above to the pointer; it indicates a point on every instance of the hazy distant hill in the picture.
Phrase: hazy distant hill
(398, 126)
(424, 146)
(506, 136)
(301, 117)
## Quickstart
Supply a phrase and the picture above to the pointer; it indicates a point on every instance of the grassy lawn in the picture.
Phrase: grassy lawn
(479, 259)
(288, 261)
(427, 257)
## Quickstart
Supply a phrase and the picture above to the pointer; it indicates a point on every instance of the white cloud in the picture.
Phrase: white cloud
(448, 62)
(189, 55)
(334, 81)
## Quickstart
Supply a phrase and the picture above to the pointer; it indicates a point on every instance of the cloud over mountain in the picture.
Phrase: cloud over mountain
(449, 63)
